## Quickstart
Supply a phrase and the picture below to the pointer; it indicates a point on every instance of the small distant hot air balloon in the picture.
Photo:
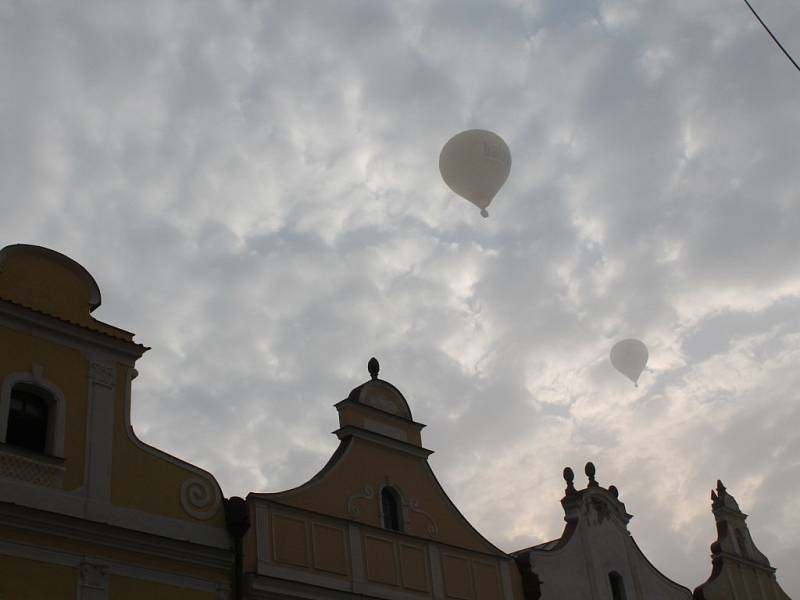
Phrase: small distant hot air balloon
(475, 164)
(629, 357)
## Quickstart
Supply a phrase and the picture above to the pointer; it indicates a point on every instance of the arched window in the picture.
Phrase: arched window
(29, 418)
(390, 510)
(617, 586)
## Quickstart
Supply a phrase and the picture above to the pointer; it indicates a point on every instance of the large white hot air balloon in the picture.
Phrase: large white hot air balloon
(475, 164)
(629, 357)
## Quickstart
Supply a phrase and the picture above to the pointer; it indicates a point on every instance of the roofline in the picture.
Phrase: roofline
(62, 259)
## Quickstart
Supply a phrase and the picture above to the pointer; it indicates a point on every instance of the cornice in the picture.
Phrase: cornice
(19, 316)
(726, 557)
(377, 438)
(109, 536)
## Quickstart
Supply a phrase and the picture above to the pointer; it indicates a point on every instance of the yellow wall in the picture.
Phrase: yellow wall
(50, 287)
(42, 540)
(22, 579)
(366, 463)
(126, 588)
(143, 481)
(65, 368)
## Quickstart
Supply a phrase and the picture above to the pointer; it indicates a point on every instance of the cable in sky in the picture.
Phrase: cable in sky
(772, 36)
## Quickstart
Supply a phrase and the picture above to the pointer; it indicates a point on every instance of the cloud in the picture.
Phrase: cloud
(255, 188)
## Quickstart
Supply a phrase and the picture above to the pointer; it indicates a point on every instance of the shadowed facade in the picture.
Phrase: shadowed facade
(374, 522)
(738, 569)
(89, 512)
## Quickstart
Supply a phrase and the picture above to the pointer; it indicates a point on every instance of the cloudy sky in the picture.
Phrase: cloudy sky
(255, 187)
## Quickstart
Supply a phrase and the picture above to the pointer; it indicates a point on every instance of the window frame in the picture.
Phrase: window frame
(33, 380)
(616, 582)
(397, 499)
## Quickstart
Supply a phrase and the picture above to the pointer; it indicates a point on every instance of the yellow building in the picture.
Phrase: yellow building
(374, 522)
(87, 510)
(739, 570)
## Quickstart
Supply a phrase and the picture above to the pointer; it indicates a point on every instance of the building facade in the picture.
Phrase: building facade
(90, 512)
(596, 556)
(739, 571)
(374, 522)
(87, 510)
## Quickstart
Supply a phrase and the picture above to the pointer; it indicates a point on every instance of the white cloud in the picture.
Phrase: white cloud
(255, 187)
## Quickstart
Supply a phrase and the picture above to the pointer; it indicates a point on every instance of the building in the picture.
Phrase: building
(87, 510)
(739, 570)
(596, 556)
(90, 512)
(374, 522)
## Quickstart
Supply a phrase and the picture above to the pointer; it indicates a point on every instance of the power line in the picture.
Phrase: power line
(772, 36)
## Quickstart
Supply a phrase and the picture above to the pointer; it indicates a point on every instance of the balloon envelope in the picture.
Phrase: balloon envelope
(475, 164)
(629, 357)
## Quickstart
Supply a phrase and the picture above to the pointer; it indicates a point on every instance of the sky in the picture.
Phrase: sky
(255, 188)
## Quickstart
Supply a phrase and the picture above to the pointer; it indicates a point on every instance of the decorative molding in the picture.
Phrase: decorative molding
(72, 335)
(159, 543)
(367, 493)
(433, 528)
(102, 374)
(101, 568)
(199, 498)
(30, 469)
(94, 575)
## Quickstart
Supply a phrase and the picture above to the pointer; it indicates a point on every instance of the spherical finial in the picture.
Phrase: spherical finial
(373, 367)
(590, 471)
(569, 477)
(613, 491)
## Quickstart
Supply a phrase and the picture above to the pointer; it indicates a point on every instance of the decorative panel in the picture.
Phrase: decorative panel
(381, 560)
(414, 568)
(289, 540)
(487, 581)
(457, 579)
(329, 549)
(31, 470)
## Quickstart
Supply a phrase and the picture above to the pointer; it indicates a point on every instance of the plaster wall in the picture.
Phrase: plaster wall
(581, 568)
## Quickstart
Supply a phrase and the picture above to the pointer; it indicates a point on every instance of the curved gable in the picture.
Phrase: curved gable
(48, 281)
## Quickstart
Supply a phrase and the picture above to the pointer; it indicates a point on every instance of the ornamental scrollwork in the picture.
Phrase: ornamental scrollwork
(433, 528)
(367, 493)
(200, 498)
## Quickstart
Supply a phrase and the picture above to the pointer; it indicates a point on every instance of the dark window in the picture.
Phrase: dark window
(28, 418)
(391, 509)
(617, 586)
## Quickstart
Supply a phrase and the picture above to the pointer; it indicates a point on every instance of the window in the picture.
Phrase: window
(29, 418)
(390, 509)
(617, 586)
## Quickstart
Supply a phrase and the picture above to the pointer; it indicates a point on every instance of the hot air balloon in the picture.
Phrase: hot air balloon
(629, 357)
(475, 164)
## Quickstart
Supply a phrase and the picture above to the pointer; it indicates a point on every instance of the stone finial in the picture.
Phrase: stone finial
(569, 477)
(612, 489)
(373, 367)
(590, 471)
(720, 489)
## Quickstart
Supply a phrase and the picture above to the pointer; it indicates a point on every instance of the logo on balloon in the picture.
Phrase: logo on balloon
(475, 164)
